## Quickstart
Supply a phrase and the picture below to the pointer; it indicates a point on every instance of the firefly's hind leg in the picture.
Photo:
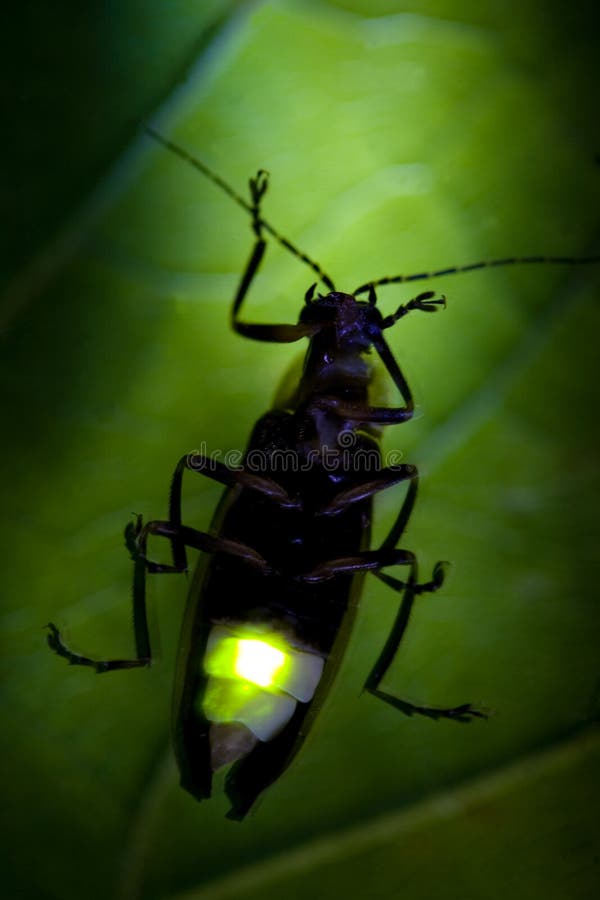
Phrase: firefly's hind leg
(55, 643)
(410, 589)
(136, 536)
(463, 713)
(140, 624)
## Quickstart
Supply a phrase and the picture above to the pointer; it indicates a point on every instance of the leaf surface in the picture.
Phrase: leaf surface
(397, 141)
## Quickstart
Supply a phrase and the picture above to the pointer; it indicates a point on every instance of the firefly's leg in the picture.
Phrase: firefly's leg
(218, 471)
(381, 414)
(136, 538)
(279, 333)
(410, 589)
(375, 560)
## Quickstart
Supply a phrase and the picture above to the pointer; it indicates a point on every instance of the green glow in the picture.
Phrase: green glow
(255, 678)
(258, 662)
(263, 659)
(265, 714)
(253, 659)
(224, 699)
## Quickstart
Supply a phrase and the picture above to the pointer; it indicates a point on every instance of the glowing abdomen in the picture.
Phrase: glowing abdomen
(256, 679)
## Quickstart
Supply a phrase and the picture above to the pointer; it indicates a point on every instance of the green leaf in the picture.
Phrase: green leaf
(449, 845)
(397, 140)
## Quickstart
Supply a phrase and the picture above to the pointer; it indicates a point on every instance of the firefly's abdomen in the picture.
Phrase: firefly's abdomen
(255, 681)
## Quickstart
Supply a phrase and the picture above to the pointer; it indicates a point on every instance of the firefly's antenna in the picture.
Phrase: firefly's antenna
(216, 179)
(488, 264)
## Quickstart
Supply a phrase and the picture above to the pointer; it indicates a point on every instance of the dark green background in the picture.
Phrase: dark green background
(399, 137)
